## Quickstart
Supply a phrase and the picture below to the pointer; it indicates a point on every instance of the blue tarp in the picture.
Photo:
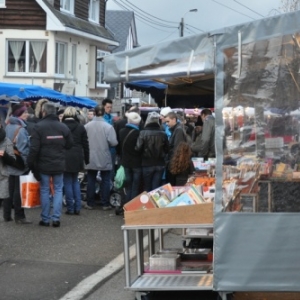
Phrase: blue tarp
(19, 92)
(155, 89)
(145, 85)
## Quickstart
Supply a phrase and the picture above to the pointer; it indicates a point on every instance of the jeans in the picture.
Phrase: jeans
(14, 199)
(152, 177)
(113, 161)
(133, 178)
(104, 187)
(57, 197)
(72, 191)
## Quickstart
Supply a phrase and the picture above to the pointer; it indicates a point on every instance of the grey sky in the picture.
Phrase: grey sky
(211, 14)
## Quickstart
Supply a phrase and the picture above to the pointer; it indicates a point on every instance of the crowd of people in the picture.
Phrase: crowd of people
(56, 144)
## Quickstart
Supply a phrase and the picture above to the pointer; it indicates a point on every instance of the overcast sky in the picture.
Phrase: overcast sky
(158, 20)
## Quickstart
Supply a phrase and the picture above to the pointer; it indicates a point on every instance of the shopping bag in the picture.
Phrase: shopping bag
(30, 191)
(119, 178)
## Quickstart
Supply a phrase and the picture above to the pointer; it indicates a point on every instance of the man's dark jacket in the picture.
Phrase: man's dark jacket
(49, 141)
(153, 144)
(130, 158)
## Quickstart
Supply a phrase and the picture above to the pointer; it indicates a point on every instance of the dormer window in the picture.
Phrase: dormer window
(67, 6)
(2, 4)
(94, 10)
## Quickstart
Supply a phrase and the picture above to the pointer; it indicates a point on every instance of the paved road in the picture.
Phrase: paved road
(45, 262)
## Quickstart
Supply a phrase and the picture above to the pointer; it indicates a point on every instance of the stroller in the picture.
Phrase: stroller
(116, 196)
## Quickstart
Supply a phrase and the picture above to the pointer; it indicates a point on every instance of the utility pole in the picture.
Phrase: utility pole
(181, 25)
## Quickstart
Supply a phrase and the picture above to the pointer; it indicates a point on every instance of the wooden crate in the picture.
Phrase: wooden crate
(189, 214)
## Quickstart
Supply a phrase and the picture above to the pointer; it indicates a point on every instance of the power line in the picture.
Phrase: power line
(146, 18)
(141, 19)
(195, 27)
(129, 3)
(166, 36)
(232, 9)
(189, 29)
(248, 8)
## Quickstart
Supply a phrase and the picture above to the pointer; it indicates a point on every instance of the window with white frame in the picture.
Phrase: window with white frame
(73, 61)
(67, 6)
(2, 3)
(60, 58)
(94, 10)
(26, 56)
(100, 67)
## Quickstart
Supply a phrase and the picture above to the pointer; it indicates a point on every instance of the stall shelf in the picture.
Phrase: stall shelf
(175, 281)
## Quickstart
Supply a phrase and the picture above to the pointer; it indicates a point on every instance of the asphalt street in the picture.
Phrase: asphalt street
(83, 259)
(45, 262)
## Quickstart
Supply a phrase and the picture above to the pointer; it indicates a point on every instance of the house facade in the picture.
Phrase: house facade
(54, 43)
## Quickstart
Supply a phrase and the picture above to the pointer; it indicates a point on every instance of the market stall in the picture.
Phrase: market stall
(256, 206)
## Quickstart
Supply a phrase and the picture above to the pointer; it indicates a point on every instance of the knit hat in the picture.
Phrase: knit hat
(153, 117)
(133, 118)
(18, 110)
(164, 111)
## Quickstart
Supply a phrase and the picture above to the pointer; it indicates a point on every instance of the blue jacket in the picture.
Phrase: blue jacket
(166, 128)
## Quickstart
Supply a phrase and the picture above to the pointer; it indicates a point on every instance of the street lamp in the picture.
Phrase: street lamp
(182, 21)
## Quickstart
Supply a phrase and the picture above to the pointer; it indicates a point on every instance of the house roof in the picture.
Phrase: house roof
(76, 24)
(119, 22)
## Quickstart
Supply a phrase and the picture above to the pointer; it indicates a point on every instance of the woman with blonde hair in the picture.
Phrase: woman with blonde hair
(181, 165)
(75, 159)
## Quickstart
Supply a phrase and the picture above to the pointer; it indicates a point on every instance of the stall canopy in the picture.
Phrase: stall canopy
(146, 86)
(19, 92)
(155, 89)
(186, 65)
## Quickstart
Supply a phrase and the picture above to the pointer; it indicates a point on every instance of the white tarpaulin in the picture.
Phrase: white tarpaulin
(188, 56)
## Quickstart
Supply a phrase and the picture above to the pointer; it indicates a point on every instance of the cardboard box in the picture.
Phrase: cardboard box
(189, 214)
(140, 202)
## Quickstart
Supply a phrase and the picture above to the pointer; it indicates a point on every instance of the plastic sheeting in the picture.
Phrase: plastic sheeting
(256, 246)
(183, 57)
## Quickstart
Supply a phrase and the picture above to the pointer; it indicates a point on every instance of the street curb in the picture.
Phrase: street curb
(86, 286)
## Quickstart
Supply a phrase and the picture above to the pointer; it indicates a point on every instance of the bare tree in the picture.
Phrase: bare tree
(289, 5)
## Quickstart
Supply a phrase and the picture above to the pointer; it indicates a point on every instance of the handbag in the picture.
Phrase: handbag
(29, 191)
(19, 162)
